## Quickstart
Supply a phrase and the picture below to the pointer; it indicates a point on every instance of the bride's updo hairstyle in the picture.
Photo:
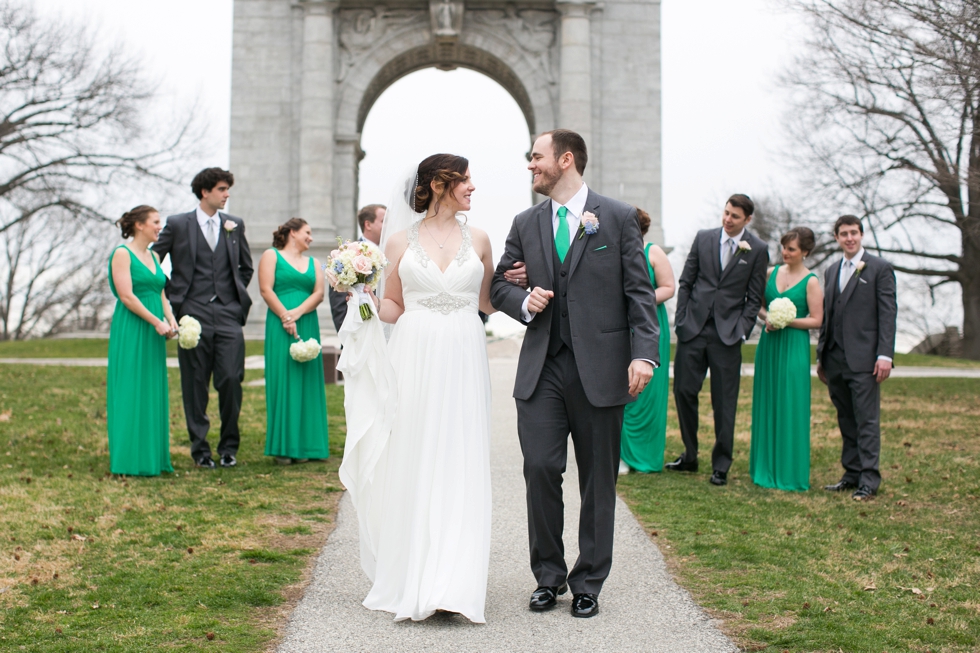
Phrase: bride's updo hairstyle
(446, 170)
(127, 223)
(281, 235)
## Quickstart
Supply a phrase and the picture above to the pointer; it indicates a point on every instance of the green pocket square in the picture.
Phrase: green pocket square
(598, 248)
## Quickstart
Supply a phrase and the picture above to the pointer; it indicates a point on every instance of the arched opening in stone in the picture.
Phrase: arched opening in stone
(463, 112)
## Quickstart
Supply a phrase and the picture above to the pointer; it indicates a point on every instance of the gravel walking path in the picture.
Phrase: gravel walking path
(642, 609)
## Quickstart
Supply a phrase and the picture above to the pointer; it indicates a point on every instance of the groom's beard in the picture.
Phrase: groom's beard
(546, 182)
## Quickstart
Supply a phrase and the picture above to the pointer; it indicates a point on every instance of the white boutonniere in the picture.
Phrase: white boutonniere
(742, 247)
(590, 224)
(230, 226)
(858, 267)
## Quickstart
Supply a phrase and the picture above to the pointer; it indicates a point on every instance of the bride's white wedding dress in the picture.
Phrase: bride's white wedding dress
(422, 491)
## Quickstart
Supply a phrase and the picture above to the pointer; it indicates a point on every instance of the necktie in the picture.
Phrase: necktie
(726, 252)
(846, 272)
(212, 233)
(561, 236)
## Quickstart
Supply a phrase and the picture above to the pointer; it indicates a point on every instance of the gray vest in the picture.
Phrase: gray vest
(561, 330)
(213, 276)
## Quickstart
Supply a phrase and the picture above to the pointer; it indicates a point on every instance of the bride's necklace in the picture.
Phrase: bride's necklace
(431, 235)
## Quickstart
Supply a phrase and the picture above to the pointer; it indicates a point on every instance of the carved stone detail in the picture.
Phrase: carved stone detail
(361, 30)
(533, 31)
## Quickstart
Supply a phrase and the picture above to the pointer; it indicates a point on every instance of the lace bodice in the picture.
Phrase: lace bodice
(425, 287)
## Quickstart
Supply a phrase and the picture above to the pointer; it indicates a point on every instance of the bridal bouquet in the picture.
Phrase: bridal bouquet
(782, 311)
(356, 266)
(189, 332)
(302, 351)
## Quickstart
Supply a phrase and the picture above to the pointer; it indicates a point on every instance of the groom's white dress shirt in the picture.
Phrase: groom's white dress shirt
(731, 244)
(847, 269)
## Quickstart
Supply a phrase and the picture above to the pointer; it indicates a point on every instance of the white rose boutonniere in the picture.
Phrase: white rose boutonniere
(742, 247)
(858, 268)
(590, 224)
(230, 226)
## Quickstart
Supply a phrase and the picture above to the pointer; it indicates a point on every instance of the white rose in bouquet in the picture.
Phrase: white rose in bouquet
(782, 311)
(188, 333)
(303, 351)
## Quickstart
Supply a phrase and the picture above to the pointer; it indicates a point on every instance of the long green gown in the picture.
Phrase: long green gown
(295, 399)
(645, 420)
(780, 453)
(137, 395)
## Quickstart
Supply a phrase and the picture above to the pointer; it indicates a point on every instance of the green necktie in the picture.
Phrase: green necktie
(561, 236)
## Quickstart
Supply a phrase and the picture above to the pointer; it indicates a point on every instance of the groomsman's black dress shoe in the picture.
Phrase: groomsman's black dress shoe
(585, 606)
(228, 460)
(863, 493)
(719, 478)
(680, 465)
(545, 598)
(205, 462)
(840, 486)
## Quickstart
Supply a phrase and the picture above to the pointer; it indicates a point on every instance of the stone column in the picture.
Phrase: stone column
(316, 140)
(575, 81)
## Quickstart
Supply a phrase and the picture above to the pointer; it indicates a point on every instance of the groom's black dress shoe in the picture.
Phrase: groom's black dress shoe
(205, 462)
(228, 460)
(840, 486)
(863, 493)
(680, 465)
(585, 606)
(719, 478)
(545, 598)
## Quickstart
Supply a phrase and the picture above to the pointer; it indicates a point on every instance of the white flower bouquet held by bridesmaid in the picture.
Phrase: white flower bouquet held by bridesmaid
(303, 351)
(782, 311)
(189, 333)
(356, 267)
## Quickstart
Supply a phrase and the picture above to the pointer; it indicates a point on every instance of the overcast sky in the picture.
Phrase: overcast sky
(721, 105)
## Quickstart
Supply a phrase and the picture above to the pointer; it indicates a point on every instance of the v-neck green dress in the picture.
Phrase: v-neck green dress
(780, 452)
(295, 399)
(645, 420)
(137, 398)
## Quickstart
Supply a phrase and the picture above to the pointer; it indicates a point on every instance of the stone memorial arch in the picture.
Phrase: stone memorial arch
(305, 74)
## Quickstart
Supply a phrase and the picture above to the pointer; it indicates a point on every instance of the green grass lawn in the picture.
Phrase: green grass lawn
(816, 571)
(87, 348)
(92, 562)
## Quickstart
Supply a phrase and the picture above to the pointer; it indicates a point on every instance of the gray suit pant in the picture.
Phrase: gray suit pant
(221, 353)
(857, 397)
(691, 363)
(557, 407)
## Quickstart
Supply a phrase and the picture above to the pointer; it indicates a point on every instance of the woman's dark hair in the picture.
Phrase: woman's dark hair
(744, 202)
(848, 219)
(208, 178)
(804, 238)
(127, 223)
(281, 235)
(644, 219)
(447, 170)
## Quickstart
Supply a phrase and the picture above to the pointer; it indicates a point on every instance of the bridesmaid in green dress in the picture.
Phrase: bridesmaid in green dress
(296, 404)
(137, 398)
(645, 420)
(780, 452)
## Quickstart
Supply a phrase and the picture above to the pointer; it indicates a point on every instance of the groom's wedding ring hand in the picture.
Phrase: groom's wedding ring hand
(640, 373)
(517, 275)
(539, 299)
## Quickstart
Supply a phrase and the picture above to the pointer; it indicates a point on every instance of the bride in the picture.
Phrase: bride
(416, 461)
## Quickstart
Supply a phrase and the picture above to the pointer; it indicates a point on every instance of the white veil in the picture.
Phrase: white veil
(399, 215)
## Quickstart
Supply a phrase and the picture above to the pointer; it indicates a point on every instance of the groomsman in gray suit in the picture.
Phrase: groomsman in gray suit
(211, 268)
(590, 348)
(718, 298)
(855, 351)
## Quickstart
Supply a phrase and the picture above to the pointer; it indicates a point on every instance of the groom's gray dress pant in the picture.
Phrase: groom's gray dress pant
(557, 407)
(857, 397)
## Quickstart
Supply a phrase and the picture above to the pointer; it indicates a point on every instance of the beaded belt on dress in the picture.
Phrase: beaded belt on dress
(445, 303)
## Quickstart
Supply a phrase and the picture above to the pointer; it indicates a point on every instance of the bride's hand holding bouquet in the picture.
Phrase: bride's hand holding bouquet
(355, 267)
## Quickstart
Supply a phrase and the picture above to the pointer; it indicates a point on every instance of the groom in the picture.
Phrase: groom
(590, 348)
(211, 267)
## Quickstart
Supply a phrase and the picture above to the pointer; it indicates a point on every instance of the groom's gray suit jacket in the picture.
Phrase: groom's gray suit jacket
(610, 302)
(861, 320)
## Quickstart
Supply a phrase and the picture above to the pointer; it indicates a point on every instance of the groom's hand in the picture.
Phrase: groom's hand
(640, 374)
(517, 275)
(538, 300)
